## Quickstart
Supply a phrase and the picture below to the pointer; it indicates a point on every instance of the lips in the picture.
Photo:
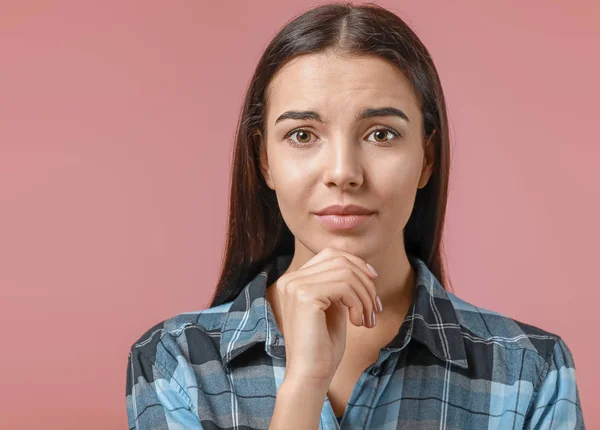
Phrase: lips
(344, 210)
(343, 222)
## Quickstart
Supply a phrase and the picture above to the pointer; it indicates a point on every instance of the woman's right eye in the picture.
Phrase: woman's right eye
(302, 136)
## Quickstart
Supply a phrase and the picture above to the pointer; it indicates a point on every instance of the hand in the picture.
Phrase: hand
(314, 300)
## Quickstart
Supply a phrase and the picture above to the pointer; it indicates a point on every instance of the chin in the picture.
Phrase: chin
(352, 245)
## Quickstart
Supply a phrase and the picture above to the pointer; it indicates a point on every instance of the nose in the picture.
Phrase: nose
(342, 163)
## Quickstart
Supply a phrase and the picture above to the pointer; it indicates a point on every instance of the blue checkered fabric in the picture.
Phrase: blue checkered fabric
(452, 365)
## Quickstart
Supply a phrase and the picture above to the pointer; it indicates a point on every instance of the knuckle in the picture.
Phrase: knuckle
(339, 260)
(280, 286)
(280, 283)
(285, 286)
(347, 271)
(304, 296)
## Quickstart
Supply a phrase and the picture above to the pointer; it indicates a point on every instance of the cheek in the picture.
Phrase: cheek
(396, 189)
(397, 197)
(292, 186)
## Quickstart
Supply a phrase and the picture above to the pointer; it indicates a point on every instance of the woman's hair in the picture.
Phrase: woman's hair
(256, 230)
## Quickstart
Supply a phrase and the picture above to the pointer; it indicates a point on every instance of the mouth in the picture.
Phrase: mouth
(343, 222)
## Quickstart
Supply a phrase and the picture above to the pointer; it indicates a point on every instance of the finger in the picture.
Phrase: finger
(329, 253)
(367, 276)
(329, 292)
(341, 260)
(324, 273)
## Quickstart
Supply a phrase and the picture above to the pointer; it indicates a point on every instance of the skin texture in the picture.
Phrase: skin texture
(345, 160)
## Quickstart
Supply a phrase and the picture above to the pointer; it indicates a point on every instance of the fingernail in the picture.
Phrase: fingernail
(373, 319)
(379, 304)
(363, 319)
(372, 269)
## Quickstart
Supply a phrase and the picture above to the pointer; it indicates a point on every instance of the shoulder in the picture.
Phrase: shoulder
(487, 327)
(163, 365)
(191, 336)
(521, 361)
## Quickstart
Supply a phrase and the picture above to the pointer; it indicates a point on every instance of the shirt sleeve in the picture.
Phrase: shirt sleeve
(556, 404)
(155, 400)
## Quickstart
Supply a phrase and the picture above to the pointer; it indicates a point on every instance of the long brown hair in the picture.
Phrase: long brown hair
(256, 229)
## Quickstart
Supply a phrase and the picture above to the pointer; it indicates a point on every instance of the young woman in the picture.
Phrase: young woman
(332, 308)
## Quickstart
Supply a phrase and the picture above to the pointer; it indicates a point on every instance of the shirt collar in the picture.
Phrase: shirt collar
(431, 318)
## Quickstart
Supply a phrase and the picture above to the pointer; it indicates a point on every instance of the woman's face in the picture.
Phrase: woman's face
(336, 156)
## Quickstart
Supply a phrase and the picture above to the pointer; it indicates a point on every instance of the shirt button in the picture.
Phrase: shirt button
(376, 370)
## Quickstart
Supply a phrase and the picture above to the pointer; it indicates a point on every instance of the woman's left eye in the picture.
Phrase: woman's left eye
(382, 133)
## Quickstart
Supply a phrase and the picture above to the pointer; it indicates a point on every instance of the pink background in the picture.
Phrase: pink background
(116, 127)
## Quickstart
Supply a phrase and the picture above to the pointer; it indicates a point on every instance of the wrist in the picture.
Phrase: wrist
(298, 405)
(293, 382)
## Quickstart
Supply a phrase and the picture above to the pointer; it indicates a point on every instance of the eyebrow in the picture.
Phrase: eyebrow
(367, 113)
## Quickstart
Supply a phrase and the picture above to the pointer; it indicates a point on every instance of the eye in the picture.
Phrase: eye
(302, 134)
(382, 133)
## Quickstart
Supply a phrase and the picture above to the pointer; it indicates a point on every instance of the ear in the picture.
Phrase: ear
(263, 159)
(428, 161)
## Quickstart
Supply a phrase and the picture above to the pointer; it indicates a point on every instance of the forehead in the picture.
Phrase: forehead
(338, 84)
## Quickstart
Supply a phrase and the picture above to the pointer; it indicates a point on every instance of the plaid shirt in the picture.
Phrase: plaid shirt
(451, 366)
